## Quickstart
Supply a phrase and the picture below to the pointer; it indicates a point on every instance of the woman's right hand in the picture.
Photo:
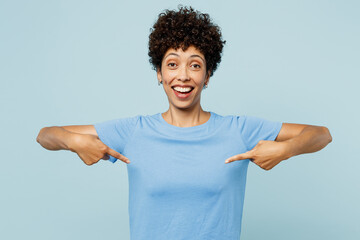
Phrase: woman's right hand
(91, 149)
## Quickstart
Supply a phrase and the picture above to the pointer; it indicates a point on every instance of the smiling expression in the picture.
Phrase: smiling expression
(183, 74)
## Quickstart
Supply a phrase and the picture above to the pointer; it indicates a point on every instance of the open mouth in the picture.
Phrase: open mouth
(182, 92)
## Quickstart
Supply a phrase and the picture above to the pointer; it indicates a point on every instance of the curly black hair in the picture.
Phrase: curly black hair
(184, 28)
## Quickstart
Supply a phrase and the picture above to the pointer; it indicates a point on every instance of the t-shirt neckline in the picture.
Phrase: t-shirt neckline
(197, 127)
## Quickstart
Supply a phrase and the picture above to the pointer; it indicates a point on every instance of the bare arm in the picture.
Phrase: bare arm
(81, 139)
(293, 139)
(310, 139)
(54, 138)
(83, 129)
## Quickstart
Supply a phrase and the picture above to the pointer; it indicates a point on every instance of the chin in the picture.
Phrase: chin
(183, 106)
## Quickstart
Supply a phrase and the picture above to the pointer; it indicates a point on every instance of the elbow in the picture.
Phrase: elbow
(38, 138)
(327, 134)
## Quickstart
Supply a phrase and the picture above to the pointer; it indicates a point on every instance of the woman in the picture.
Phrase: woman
(181, 185)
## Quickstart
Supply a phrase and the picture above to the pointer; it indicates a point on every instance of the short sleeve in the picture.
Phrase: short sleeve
(253, 129)
(116, 133)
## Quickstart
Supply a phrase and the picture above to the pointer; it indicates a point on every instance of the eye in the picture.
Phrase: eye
(196, 65)
(171, 64)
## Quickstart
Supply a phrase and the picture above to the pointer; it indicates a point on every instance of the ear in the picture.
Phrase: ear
(207, 77)
(158, 74)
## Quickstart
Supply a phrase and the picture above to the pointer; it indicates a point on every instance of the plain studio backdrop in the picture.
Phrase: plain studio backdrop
(82, 62)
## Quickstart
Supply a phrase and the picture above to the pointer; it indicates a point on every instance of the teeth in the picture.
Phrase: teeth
(180, 89)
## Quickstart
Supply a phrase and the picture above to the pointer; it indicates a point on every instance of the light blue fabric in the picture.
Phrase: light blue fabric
(179, 186)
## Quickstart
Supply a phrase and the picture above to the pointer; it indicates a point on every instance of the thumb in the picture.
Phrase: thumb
(242, 156)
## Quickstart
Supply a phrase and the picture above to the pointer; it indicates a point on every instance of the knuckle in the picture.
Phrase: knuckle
(266, 167)
(104, 148)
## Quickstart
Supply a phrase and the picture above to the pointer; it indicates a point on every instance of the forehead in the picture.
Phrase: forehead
(191, 51)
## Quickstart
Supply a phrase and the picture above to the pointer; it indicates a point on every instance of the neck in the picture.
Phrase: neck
(186, 117)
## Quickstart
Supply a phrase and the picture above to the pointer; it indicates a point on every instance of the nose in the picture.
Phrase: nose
(183, 74)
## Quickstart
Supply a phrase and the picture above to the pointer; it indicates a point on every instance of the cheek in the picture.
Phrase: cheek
(168, 77)
(200, 79)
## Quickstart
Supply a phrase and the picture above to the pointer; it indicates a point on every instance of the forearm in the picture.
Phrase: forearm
(55, 138)
(311, 139)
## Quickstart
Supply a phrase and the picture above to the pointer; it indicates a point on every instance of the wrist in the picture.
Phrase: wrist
(290, 148)
(72, 141)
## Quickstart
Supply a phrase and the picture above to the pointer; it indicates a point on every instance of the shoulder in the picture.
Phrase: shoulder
(229, 121)
(227, 118)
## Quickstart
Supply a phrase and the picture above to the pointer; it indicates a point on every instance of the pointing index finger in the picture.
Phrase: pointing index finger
(241, 156)
(117, 155)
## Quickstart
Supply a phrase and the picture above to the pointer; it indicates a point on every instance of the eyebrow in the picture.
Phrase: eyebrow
(192, 56)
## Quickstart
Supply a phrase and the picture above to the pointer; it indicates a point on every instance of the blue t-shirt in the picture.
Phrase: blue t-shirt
(180, 187)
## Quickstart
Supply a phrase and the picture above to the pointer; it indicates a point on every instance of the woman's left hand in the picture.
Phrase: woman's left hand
(266, 154)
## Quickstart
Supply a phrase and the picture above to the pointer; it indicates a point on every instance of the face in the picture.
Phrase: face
(183, 74)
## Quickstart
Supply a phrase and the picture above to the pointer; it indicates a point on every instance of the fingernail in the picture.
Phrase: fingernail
(226, 161)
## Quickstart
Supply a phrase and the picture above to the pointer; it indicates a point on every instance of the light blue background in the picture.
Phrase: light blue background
(81, 62)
